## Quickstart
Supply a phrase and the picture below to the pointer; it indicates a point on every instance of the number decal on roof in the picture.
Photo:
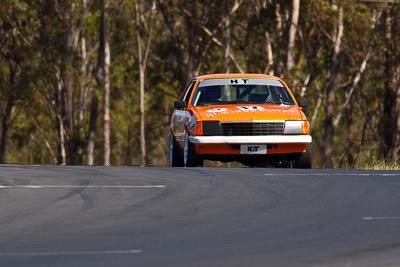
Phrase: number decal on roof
(238, 81)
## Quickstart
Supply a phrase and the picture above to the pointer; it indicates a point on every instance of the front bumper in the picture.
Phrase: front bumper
(269, 139)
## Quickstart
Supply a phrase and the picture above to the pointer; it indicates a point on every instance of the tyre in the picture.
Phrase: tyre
(175, 156)
(189, 157)
(304, 160)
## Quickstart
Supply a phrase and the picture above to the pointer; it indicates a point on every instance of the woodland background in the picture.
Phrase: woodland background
(93, 82)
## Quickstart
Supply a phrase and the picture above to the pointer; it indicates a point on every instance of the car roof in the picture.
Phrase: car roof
(235, 75)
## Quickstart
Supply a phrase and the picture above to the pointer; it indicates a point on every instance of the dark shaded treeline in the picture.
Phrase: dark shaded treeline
(92, 82)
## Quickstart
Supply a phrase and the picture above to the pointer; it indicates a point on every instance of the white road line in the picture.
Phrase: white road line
(70, 253)
(380, 218)
(78, 186)
(332, 174)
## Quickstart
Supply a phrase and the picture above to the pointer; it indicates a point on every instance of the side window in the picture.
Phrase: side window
(188, 91)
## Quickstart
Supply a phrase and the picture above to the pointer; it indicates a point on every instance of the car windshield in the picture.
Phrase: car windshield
(241, 91)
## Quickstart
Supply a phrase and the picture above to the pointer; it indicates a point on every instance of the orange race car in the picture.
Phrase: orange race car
(250, 118)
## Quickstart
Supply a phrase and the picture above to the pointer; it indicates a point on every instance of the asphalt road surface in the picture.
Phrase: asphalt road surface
(126, 216)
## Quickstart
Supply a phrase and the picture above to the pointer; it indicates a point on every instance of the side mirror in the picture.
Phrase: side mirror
(179, 104)
(303, 103)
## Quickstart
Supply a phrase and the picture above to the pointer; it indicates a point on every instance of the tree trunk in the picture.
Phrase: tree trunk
(141, 88)
(393, 81)
(105, 61)
(92, 130)
(191, 29)
(177, 41)
(142, 120)
(142, 63)
(278, 66)
(270, 56)
(218, 42)
(389, 97)
(62, 154)
(82, 105)
(292, 34)
(316, 108)
(107, 148)
(350, 151)
(227, 35)
(67, 100)
(5, 125)
(59, 107)
(349, 94)
(396, 121)
(330, 91)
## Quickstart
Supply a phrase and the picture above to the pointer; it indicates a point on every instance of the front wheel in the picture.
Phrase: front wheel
(190, 159)
(175, 157)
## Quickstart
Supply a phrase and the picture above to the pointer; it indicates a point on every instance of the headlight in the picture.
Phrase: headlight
(296, 127)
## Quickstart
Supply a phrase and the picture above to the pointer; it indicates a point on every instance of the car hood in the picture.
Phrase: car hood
(248, 112)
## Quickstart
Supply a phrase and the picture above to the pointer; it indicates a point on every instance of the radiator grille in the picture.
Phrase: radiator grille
(255, 128)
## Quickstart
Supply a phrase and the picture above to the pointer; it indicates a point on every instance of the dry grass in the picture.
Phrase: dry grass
(368, 161)
(379, 165)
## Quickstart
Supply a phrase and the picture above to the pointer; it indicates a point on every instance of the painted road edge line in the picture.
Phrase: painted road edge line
(70, 253)
(78, 186)
(332, 174)
(380, 218)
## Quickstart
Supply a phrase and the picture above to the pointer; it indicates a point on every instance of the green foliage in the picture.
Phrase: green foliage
(53, 80)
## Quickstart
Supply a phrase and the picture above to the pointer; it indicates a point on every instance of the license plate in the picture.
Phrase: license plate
(253, 149)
